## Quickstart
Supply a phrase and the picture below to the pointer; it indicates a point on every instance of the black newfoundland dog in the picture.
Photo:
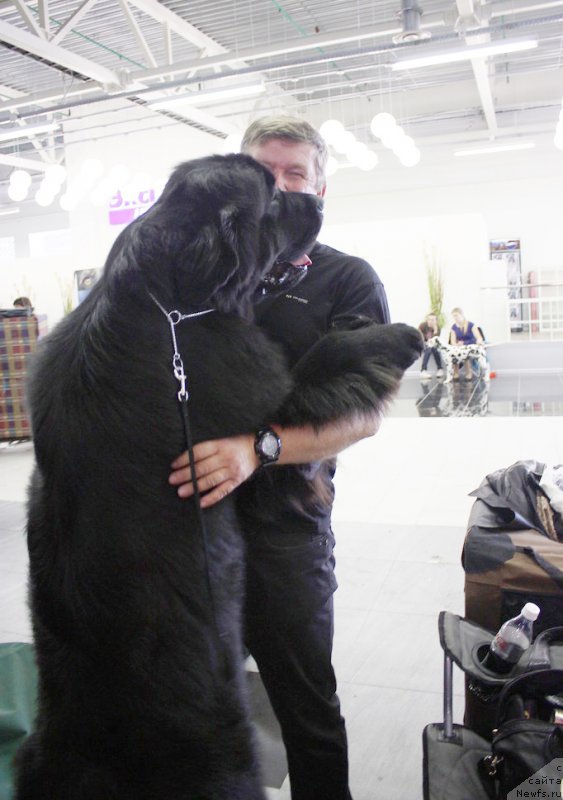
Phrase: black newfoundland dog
(136, 608)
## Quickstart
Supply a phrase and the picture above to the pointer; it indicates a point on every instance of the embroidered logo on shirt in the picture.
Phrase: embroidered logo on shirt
(294, 297)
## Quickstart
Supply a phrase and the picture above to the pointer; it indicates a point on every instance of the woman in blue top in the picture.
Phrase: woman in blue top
(464, 332)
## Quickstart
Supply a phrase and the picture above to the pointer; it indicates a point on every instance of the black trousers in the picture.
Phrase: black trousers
(431, 351)
(289, 631)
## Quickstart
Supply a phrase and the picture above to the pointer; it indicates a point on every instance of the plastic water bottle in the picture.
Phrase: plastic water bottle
(512, 640)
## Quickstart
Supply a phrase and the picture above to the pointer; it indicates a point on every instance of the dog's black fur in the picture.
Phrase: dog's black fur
(141, 684)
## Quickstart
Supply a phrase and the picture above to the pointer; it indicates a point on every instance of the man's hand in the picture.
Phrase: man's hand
(220, 466)
(223, 464)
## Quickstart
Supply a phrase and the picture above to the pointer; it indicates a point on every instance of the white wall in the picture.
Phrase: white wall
(149, 153)
(399, 250)
(454, 207)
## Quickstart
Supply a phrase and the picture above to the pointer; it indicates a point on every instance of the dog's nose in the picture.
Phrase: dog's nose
(281, 182)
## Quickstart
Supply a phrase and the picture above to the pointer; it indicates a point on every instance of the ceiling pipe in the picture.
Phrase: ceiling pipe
(411, 13)
(20, 100)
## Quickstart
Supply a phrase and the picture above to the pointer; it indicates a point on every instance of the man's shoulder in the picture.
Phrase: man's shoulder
(326, 256)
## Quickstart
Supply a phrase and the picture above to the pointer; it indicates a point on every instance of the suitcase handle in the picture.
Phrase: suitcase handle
(539, 655)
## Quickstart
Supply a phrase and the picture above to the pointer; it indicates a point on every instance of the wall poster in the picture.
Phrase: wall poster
(508, 252)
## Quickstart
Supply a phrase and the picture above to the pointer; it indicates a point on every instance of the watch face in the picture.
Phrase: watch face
(269, 445)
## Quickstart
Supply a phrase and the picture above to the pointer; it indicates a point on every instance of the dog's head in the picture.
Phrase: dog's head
(218, 228)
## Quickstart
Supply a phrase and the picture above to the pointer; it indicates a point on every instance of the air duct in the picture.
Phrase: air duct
(411, 14)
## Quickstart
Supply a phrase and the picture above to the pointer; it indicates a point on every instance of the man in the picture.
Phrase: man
(290, 564)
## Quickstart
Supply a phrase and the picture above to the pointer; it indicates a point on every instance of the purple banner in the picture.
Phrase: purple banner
(122, 211)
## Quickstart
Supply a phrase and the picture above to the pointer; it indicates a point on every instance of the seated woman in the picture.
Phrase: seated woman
(464, 332)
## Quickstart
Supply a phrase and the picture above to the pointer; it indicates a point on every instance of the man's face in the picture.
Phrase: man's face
(291, 163)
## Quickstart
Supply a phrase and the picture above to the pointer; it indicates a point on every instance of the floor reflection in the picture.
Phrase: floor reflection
(512, 395)
(455, 399)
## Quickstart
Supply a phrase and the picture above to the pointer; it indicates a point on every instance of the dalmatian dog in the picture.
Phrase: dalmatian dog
(453, 355)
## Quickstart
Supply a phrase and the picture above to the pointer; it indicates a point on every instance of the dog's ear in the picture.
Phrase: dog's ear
(221, 261)
(228, 223)
(244, 254)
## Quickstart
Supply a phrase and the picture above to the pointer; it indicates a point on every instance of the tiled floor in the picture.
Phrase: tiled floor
(399, 520)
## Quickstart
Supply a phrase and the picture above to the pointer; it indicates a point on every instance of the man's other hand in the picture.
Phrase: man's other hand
(220, 466)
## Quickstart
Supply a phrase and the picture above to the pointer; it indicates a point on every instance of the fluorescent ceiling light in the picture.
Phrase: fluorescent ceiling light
(25, 130)
(9, 211)
(466, 53)
(213, 96)
(501, 148)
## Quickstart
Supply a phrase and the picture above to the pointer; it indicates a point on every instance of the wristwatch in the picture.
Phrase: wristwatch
(267, 446)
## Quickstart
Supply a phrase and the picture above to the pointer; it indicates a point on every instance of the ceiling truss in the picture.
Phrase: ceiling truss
(313, 56)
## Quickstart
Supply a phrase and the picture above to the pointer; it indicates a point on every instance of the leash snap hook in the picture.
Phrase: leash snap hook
(180, 376)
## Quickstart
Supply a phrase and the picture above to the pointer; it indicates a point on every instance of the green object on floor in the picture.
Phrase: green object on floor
(18, 697)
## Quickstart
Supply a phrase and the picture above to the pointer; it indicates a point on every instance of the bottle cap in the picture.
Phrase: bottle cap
(531, 611)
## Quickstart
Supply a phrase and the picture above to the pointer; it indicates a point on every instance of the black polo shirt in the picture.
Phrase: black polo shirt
(336, 286)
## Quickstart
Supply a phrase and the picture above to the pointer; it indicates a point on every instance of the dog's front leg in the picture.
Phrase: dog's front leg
(350, 372)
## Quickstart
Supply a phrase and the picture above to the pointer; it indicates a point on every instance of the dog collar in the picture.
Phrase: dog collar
(174, 317)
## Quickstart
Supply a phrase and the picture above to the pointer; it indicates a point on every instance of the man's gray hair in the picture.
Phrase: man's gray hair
(292, 129)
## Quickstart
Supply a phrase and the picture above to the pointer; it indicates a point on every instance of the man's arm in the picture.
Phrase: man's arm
(223, 464)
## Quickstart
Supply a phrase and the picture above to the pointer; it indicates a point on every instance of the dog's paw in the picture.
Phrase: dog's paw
(401, 344)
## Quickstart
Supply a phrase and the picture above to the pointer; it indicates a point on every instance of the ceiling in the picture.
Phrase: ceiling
(314, 58)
